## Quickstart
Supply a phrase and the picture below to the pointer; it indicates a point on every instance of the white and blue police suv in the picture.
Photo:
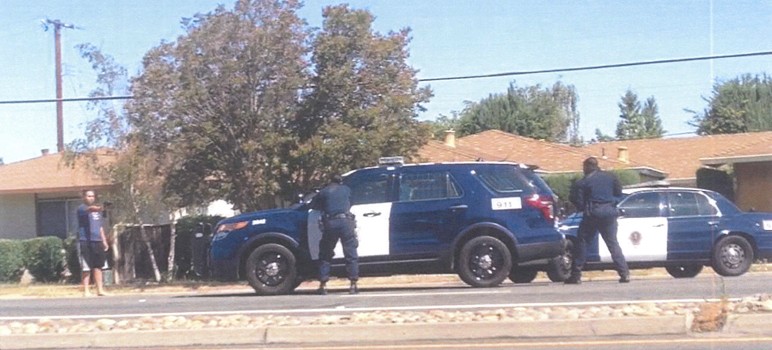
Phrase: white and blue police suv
(477, 219)
(680, 229)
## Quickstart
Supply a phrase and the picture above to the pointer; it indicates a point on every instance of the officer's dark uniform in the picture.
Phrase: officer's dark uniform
(595, 195)
(337, 224)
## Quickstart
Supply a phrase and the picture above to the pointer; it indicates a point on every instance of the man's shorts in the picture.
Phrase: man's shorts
(92, 255)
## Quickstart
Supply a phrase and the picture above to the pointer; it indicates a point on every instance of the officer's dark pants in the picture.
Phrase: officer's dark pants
(338, 229)
(588, 230)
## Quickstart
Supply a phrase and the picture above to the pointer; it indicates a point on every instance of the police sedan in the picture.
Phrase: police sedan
(682, 230)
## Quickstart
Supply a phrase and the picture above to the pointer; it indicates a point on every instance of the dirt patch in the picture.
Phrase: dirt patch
(711, 317)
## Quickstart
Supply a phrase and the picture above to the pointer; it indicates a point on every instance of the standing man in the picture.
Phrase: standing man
(334, 201)
(92, 243)
(596, 196)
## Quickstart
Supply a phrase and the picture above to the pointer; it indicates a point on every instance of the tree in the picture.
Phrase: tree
(442, 124)
(742, 104)
(527, 111)
(601, 137)
(637, 122)
(364, 100)
(216, 106)
(235, 109)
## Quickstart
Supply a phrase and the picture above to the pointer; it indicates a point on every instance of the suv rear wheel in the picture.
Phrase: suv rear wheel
(484, 261)
(271, 270)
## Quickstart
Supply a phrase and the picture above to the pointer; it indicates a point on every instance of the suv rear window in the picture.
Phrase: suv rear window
(504, 179)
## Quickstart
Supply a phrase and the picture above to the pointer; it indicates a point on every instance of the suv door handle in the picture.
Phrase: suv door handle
(713, 223)
(459, 207)
(371, 214)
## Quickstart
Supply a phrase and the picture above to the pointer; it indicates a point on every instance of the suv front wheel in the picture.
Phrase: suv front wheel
(271, 270)
(484, 261)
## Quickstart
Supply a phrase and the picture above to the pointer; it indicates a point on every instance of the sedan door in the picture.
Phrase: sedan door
(693, 219)
(642, 232)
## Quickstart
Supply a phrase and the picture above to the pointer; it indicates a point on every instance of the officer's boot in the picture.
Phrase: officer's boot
(352, 289)
(322, 288)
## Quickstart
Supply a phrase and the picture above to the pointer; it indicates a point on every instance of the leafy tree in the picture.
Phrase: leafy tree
(364, 100)
(527, 111)
(216, 106)
(638, 122)
(250, 105)
(601, 137)
(442, 124)
(742, 104)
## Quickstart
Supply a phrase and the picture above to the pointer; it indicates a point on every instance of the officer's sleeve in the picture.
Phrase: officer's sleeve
(577, 196)
(617, 187)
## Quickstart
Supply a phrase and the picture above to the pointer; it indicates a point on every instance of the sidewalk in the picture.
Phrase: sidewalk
(746, 316)
(748, 324)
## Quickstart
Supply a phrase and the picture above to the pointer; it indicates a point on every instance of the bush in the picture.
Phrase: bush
(72, 259)
(11, 260)
(44, 258)
(185, 230)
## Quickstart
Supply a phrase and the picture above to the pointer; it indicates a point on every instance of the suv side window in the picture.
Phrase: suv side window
(641, 205)
(430, 185)
(683, 204)
(370, 189)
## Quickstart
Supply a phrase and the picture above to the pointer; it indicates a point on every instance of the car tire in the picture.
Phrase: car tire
(559, 268)
(271, 270)
(684, 271)
(732, 256)
(522, 275)
(484, 261)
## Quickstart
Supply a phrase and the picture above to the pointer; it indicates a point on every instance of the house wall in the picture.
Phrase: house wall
(754, 186)
(17, 216)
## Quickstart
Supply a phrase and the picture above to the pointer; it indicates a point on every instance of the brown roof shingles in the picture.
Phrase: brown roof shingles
(46, 174)
(677, 157)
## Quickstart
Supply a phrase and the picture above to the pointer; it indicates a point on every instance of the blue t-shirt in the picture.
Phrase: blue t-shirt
(89, 222)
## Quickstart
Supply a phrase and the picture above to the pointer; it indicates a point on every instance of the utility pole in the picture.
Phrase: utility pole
(58, 25)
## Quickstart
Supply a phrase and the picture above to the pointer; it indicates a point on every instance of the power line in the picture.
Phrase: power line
(467, 77)
(605, 66)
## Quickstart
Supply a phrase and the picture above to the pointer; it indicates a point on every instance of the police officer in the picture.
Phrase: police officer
(334, 201)
(595, 195)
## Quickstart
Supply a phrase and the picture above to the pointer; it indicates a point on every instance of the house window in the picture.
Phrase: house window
(57, 217)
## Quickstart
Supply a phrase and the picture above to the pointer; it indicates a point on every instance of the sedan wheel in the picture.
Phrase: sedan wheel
(684, 271)
(732, 256)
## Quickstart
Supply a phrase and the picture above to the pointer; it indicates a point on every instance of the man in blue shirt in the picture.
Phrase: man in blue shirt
(596, 195)
(92, 243)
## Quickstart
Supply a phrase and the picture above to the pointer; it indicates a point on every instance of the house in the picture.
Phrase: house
(40, 196)
(673, 159)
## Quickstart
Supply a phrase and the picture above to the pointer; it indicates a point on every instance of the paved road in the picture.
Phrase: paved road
(415, 297)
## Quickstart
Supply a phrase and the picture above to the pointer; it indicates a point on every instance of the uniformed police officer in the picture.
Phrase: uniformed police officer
(596, 196)
(334, 201)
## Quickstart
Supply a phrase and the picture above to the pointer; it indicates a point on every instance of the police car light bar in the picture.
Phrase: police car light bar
(391, 160)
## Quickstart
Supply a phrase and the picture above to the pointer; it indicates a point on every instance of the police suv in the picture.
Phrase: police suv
(680, 229)
(477, 219)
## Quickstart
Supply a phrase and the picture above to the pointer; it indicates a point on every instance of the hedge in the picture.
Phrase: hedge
(43, 257)
(11, 260)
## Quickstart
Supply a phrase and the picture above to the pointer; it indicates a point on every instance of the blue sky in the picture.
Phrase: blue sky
(450, 38)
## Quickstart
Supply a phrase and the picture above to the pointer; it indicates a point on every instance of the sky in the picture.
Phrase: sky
(449, 38)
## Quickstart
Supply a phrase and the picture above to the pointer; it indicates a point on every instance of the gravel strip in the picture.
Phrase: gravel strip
(708, 316)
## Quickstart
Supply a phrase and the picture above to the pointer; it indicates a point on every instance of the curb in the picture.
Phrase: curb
(744, 324)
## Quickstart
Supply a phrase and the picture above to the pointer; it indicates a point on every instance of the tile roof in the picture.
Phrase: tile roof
(679, 158)
(46, 174)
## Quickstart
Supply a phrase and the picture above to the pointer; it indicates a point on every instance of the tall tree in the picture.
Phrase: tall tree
(216, 106)
(742, 104)
(638, 122)
(363, 102)
(533, 111)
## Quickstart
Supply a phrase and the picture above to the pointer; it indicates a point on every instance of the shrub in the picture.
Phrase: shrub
(72, 259)
(185, 230)
(44, 258)
(11, 260)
